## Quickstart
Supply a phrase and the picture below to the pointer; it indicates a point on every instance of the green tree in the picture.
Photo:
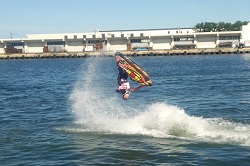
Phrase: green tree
(199, 27)
(218, 27)
(228, 26)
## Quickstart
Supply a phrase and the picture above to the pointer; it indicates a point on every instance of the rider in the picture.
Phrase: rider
(123, 85)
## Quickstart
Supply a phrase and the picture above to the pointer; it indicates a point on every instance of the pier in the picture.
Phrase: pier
(128, 53)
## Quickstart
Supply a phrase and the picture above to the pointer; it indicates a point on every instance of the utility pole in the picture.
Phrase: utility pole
(11, 35)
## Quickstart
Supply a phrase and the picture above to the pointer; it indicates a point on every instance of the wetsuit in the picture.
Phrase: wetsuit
(123, 84)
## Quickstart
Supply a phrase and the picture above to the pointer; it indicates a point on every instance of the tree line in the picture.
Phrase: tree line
(218, 27)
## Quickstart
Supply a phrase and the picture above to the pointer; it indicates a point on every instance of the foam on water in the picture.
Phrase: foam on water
(96, 113)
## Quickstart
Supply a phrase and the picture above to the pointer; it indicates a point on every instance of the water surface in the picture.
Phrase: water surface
(66, 112)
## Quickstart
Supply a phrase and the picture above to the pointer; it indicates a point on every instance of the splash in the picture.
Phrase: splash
(96, 113)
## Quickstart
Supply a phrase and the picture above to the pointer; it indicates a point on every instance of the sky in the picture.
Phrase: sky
(22, 17)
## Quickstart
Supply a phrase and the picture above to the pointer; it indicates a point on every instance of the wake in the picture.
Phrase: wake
(94, 112)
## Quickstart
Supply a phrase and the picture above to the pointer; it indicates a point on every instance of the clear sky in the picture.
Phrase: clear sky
(22, 17)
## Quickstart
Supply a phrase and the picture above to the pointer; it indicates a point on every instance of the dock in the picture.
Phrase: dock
(171, 52)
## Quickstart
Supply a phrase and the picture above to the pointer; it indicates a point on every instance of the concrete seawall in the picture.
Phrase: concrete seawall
(128, 53)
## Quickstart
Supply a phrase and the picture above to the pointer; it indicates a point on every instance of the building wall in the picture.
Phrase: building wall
(236, 41)
(2, 48)
(161, 43)
(75, 46)
(245, 32)
(140, 45)
(56, 48)
(246, 35)
(34, 47)
(89, 48)
(118, 44)
(206, 41)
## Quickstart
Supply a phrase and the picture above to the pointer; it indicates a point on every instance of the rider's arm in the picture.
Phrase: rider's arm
(135, 89)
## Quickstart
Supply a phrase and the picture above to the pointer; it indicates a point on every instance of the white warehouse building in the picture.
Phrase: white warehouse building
(125, 40)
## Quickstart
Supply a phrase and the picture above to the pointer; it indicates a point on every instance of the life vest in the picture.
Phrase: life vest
(124, 86)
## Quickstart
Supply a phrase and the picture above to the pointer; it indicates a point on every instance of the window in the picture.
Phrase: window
(15, 44)
(93, 41)
(183, 39)
(229, 37)
(135, 40)
(176, 39)
(56, 43)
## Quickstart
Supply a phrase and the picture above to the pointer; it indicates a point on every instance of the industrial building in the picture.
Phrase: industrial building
(125, 40)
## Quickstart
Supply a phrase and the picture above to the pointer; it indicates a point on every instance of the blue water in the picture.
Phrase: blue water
(66, 112)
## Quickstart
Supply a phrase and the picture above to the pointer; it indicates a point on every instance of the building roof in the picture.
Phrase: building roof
(125, 30)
